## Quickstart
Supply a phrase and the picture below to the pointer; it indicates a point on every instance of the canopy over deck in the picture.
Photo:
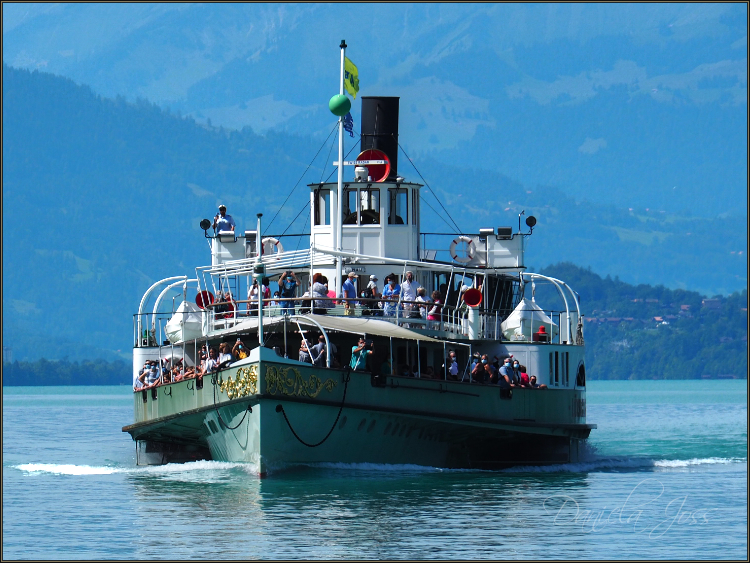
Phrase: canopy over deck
(526, 317)
(352, 325)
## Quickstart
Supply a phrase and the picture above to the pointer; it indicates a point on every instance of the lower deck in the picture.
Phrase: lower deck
(272, 411)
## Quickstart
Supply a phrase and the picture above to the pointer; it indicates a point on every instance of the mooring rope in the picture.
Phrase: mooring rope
(280, 408)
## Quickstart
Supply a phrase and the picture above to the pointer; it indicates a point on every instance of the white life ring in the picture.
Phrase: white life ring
(470, 250)
(268, 245)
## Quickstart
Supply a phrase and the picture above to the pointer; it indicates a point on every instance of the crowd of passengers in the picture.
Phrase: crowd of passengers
(404, 297)
(169, 370)
(507, 373)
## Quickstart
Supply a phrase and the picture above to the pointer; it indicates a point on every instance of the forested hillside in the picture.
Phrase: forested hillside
(647, 332)
(64, 372)
(631, 332)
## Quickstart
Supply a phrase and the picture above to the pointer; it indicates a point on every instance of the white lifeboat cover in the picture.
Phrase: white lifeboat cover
(526, 318)
(185, 324)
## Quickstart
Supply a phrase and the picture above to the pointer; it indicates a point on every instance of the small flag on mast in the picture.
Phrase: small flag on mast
(349, 124)
(351, 77)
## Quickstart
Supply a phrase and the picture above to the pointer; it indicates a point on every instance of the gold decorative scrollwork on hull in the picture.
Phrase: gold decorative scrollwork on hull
(245, 383)
(289, 381)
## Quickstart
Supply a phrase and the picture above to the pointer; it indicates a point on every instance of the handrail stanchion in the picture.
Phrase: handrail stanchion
(445, 363)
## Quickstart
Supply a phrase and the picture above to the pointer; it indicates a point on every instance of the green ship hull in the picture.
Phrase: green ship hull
(273, 413)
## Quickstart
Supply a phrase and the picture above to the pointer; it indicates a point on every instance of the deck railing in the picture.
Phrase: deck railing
(454, 321)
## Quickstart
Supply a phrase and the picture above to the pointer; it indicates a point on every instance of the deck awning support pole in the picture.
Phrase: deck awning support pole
(286, 355)
(259, 241)
(419, 363)
(390, 344)
(445, 363)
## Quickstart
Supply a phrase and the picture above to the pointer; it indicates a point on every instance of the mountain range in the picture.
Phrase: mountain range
(640, 106)
(621, 127)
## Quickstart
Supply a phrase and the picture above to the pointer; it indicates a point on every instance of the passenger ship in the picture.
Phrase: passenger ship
(273, 411)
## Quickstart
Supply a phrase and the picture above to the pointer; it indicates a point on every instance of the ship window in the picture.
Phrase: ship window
(398, 206)
(557, 370)
(323, 207)
(551, 368)
(349, 209)
(369, 199)
(581, 376)
(439, 282)
(414, 207)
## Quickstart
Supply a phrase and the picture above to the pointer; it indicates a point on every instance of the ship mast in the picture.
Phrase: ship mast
(340, 189)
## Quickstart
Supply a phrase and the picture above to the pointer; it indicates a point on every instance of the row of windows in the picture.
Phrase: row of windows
(559, 368)
(361, 206)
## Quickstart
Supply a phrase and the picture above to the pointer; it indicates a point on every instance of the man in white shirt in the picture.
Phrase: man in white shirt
(253, 294)
(225, 357)
(409, 292)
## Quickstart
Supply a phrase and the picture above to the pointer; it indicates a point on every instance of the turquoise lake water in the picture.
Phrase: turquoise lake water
(665, 478)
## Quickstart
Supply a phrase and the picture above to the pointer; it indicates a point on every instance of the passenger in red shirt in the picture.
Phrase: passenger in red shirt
(524, 376)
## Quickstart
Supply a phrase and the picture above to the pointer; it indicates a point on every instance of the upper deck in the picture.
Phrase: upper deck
(370, 224)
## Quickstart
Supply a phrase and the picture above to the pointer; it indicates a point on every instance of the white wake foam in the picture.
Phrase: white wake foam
(689, 462)
(208, 467)
(169, 468)
(67, 469)
(624, 463)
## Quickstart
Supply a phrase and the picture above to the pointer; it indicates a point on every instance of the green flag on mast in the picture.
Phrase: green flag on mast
(351, 77)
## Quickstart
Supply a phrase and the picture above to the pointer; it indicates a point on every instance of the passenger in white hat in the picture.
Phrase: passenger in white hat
(373, 286)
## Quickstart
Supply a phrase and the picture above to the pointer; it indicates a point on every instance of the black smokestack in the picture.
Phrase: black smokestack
(380, 127)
